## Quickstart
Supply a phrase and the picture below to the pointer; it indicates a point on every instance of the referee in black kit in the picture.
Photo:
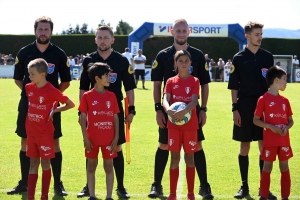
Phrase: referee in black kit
(121, 73)
(247, 83)
(57, 65)
(162, 70)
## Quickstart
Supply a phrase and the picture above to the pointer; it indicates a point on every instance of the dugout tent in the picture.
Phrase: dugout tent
(137, 37)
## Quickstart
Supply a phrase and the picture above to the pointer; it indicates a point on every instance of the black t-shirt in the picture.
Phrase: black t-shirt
(163, 66)
(248, 72)
(121, 73)
(55, 57)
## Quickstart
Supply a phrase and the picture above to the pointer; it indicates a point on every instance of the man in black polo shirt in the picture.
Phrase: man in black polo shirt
(57, 64)
(162, 70)
(121, 74)
(247, 83)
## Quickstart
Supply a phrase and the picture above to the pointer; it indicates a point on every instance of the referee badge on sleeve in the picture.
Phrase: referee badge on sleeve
(206, 66)
(155, 64)
(17, 60)
(232, 68)
(67, 63)
(130, 69)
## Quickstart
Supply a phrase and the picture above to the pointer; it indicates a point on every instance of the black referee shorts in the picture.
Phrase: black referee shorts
(163, 132)
(248, 131)
(21, 120)
(139, 73)
(121, 115)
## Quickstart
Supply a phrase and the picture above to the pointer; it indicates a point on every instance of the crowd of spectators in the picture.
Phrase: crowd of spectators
(76, 60)
(216, 69)
(6, 59)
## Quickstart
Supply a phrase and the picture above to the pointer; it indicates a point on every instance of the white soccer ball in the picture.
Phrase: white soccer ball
(177, 106)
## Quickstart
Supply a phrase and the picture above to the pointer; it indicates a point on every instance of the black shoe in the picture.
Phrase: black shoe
(262, 198)
(60, 190)
(122, 193)
(109, 199)
(144, 87)
(270, 197)
(84, 192)
(242, 193)
(205, 191)
(285, 199)
(21, 187)
(156, 191)
(92, 198)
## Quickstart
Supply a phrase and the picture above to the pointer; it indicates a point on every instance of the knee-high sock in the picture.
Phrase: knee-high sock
(244, 165)
(285, 184)
(174, 174)
(25, 166)
(119, 169)
(32, 179)
(265, 184)
(261, 164)
(46, 179)
(56, 164)
(190, 179)
(161, 159)
(200, 164)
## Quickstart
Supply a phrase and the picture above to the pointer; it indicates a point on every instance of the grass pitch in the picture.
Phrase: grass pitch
(221, 151)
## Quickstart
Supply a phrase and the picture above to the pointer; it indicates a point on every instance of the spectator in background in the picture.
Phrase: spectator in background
(71, 61)
(228, 64)
(213, 66)
(221, 64)
(295, 62)
(10, 60)
(1, 59)
(139, 61)
(128, 55)
(76, 59)
(279, 65)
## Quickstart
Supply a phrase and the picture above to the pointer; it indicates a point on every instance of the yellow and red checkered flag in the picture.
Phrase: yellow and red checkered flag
(127, 133)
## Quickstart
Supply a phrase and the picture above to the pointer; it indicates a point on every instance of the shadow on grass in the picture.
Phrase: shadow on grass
(57, 197)
(249, 197)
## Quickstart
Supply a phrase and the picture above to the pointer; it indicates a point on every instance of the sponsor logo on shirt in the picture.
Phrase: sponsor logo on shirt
(30, 94)
(272, 104)
(94, 103)
(104, 125)
(175, 87)
(37, 106)
(107, 113)
(278, 115)
(181, 98)
(35, 117)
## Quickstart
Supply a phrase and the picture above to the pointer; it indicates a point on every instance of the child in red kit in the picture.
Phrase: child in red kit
(182, 88)
(100, 126)
(42, 104)
(273, 113)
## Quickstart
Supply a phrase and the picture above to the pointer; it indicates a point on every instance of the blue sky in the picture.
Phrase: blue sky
(18, 16)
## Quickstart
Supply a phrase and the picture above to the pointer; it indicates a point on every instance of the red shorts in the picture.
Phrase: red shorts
(106, 153)
(40, 147)
(269, 153)
(186, 138)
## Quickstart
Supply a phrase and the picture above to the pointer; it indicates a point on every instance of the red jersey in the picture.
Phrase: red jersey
(181, 90)
(41, 102)
(274, 110)
(100, 110)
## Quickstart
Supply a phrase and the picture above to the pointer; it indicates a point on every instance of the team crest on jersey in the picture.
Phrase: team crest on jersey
(17, 60)
(190, 69)
(206, 66)
(187, 90)
(113, 77)
(41, 99)
(264, 72)
(232, 68)
(155, 64)
(51, 68)
(283, 107)
(108, 104)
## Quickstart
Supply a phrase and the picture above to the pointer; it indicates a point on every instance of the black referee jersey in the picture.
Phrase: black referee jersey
(55, 57)
(121, 73)
(248, 72)
(163, 66)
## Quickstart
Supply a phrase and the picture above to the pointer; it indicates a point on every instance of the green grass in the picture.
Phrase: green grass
(221, 151)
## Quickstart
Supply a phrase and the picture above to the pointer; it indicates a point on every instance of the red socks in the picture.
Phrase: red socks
(174, 174)
(265, 184)
(285, 184)
(190, 179)
(46, 179)
(32, 179)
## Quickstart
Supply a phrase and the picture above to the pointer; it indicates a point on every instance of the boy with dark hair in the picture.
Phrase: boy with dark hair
(42, 104)
(99, 123)
(274, 114)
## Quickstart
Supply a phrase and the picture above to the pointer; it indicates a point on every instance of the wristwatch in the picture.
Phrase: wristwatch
(203, 108)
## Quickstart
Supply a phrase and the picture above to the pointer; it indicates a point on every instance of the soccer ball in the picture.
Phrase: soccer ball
(177, 106)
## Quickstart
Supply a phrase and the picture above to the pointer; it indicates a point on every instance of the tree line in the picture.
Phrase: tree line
(123, 28)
